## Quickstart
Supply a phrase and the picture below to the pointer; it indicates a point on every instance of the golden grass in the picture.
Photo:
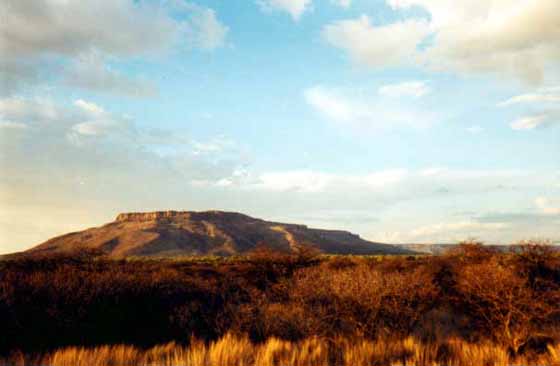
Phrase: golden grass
(239, 351)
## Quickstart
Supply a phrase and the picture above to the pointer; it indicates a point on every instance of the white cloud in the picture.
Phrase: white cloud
(544, 107)
(529, 123)
(89, 127)
(403, 202)
(475, 129)
(543, 96)
(28, 111)
(295, 8)
(532, 98)
(342, 3)
(471, 36)
(366, 111)
(99, 123)
(214, 145)
(384, 181)
(9, 125)
(333, 106)
(92, 72)
(106, 170)
(46, 117)
(71, 27)
(377, 46)
(297, 181)
(315, 182)
(89, 107)
(16, 75)
(95, 128)
(415, 89)
(547, 206)
(207, 31)
(454, 231)
(82, 164)
(61, 33)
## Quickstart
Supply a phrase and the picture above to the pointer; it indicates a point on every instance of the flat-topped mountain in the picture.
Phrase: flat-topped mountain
(182, 233)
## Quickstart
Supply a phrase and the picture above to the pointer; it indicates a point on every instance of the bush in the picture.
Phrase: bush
(483, 295)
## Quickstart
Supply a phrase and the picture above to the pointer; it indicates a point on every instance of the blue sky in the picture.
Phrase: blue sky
(400, 120)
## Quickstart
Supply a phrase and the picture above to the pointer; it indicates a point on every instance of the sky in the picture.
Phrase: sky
(404, 121)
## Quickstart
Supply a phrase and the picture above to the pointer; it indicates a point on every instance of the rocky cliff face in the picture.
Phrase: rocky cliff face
(179, 233)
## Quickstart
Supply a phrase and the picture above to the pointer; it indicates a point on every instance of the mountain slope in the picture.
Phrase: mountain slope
(175, 233)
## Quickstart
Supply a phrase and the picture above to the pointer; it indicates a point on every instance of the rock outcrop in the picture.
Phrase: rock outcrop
(182, 233)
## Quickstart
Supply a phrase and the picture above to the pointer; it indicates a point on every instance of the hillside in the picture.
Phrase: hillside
(182, 233)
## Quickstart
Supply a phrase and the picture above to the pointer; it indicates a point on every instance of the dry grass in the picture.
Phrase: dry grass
(239, 351)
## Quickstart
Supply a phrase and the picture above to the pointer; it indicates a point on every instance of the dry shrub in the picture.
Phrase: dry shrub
(502, 302)
(361, 300)
(473, 294)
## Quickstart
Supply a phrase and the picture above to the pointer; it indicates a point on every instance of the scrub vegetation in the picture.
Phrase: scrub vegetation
(472, 305)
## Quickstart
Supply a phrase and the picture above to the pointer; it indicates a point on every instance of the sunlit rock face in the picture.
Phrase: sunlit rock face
(182, 233)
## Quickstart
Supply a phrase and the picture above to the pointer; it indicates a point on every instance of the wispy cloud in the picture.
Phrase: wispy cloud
(295, 8)
(454, 231)
(530, 122)
(370, 111)
(475, 129)
(415, 89)
(543, 106)
(342, 3)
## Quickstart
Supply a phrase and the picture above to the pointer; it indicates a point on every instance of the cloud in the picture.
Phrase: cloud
(377, 46)
(79, 164)
(64, 34)
(12, 125)
(547, 207)
(30, 111)
(89, 107)
(295, 8)
(529, 123)
(539, 97)
(543, 106)
(82, 163)
(98, 123)
(206, 30)
(91, 72)
(516, 218)
(467, 37)
(88, 127)
(317, 182)
(495, 227)
(336, 217)
(475, 129)
(385, 181)
(16, 75)
(214, 145)
(367, 111)
(454, 231)
(49, 27)
(402, 201)
(342, 3)
(44, 116)
(415, 89)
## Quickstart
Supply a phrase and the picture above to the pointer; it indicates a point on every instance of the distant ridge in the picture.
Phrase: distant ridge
(438, 249)
(186, 233)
